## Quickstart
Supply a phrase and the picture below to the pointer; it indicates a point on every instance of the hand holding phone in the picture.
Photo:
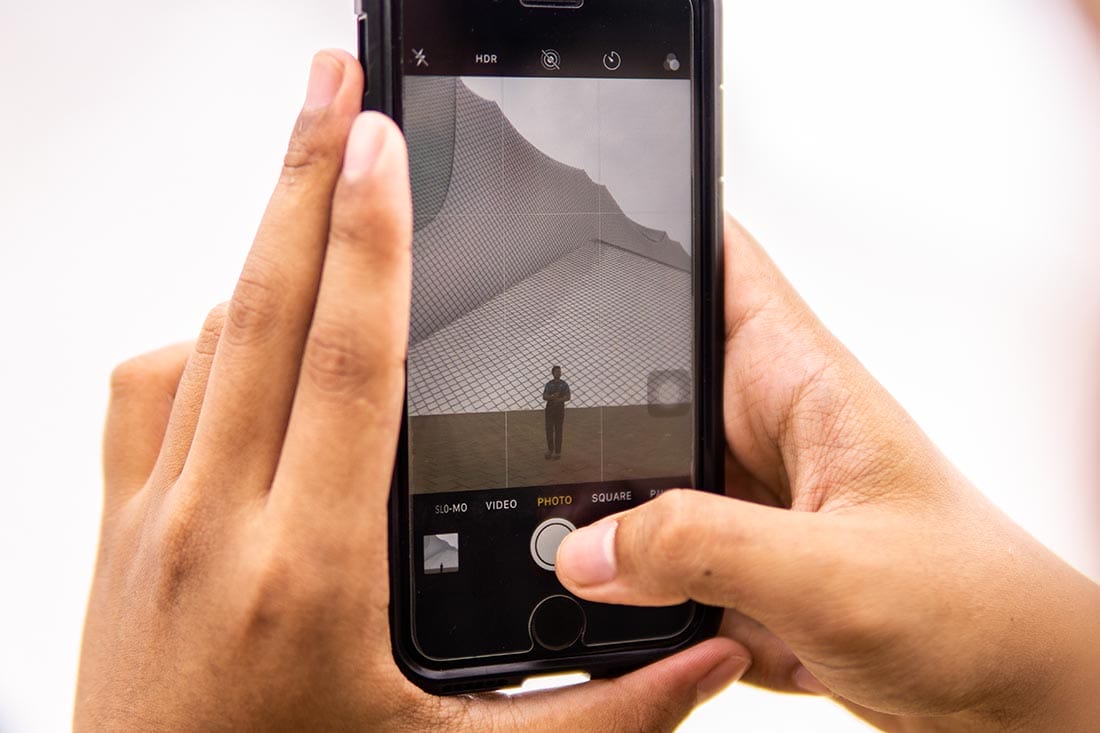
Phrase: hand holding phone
(853, 559)
(242, 577)
(564, 170)
(241, 580)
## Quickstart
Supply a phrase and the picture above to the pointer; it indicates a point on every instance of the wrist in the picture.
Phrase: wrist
(1062, 693)
(1073, 704)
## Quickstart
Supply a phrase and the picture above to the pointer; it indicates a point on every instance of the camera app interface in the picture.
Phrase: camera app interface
(552, 334)
(551, 358)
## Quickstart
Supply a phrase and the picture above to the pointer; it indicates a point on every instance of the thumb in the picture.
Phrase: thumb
(654, 698)
(691, 545)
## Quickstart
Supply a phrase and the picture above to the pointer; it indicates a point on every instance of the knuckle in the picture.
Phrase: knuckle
(353, 229)
(666, 531)
(307, 152)
(256, 303)
(342, 361)
(125, 375)
(270, 603)
(134, 375)
(212, 329)
(334, 359)
(290, 596)
(179, 552)
(377, 231)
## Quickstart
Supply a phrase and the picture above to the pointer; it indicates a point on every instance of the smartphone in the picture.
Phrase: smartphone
(565, 350)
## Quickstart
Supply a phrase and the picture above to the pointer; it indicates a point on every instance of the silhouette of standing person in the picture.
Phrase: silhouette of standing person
(556, 393)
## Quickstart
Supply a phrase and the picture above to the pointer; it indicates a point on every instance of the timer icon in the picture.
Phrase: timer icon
(612, 61)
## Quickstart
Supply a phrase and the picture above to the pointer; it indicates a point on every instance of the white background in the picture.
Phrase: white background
(928, 174)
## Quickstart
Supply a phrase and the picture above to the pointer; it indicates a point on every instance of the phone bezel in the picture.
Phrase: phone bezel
(379, 52)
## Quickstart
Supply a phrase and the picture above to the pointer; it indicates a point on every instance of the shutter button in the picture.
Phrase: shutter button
(545, 540)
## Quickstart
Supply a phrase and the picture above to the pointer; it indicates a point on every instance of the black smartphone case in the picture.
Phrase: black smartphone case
(379, 53)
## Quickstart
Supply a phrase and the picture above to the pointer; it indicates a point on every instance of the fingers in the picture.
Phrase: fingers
(774, 347)
(698, 546)
(656, 698)
(142, 392)
(774, 665)
(252, 382)
(1092, 7)
(189, 398)
(802, 415)
(339, 452)
(884, 721)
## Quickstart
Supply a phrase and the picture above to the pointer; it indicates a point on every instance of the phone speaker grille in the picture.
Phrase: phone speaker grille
(567, 4)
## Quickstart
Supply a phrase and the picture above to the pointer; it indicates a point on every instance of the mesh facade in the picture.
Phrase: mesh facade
(521, 262)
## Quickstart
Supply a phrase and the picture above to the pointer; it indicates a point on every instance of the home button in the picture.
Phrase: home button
(557, 623)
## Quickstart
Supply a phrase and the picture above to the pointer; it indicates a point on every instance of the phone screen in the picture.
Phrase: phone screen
(552, 346)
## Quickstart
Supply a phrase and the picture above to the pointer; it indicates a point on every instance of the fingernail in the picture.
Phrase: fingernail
(587, 556)
(325, 77)
(722, 676)
(805, 680)
(364, 145)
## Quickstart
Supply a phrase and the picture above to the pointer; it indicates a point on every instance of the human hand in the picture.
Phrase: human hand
(1093, 8)
(242, 578)
(892, 584)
